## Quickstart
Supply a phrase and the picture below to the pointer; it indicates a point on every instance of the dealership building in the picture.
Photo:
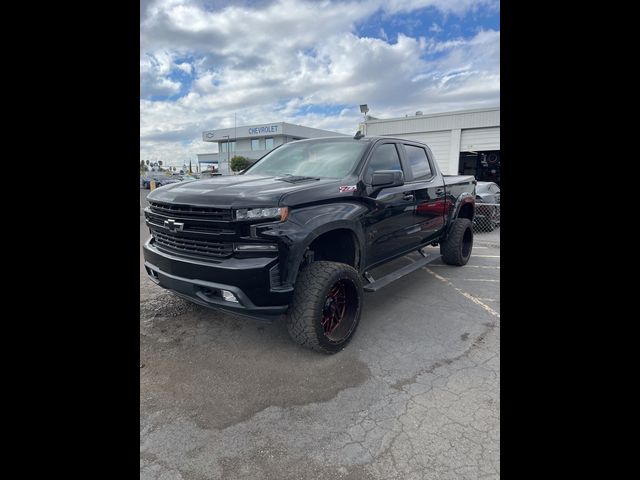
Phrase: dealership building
(465, 142)
(253, 141)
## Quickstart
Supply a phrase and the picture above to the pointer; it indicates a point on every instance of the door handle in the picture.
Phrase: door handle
(408, 197)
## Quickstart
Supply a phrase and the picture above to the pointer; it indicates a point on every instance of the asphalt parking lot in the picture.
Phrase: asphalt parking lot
(416, 394)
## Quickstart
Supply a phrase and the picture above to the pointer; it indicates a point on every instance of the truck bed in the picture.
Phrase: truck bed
(456, 185)
(458, 179)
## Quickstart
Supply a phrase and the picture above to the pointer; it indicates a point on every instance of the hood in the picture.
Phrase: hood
(237, 191)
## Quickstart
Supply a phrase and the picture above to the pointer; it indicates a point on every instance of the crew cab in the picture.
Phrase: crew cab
(301, 232)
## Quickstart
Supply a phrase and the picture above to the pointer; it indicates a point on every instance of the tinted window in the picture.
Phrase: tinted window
(385, 157)
(418, 161)
(494, 188)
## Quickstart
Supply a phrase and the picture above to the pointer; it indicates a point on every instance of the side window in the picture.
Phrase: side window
(385, 157)
(495, 189)
(417, 158)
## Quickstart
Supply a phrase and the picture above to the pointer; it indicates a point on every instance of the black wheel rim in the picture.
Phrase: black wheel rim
(339, 311)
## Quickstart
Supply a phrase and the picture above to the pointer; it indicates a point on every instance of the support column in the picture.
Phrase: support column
(454, 152)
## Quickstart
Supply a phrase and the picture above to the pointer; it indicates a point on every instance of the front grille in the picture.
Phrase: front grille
(191, 211)
(195, 225)
(191, 246)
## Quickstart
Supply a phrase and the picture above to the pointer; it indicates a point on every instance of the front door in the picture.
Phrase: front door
(390, 226)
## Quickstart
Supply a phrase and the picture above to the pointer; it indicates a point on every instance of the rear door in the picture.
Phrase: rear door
(429, 190)
(390, 224)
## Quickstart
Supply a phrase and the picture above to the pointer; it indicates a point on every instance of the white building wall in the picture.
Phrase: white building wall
(480, 139)
(447, 134)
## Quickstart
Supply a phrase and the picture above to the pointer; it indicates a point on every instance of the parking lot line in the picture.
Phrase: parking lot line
(487, 256)
(479, 280)
(475, 300)
(487, 299)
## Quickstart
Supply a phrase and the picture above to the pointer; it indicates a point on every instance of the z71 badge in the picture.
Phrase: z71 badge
(348, 188)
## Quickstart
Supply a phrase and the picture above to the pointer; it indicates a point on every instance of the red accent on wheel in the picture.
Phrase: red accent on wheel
(334, 308)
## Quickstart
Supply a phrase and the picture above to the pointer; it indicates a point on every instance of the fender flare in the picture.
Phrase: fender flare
(462, 200)
(310, 223)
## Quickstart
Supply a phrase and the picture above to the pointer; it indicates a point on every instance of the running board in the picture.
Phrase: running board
(375, 285)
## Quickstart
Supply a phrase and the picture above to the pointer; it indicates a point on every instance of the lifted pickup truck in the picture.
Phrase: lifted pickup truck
(302, 230)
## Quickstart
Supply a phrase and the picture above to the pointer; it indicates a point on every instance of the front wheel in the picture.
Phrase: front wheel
(456, 249)
(326, 306)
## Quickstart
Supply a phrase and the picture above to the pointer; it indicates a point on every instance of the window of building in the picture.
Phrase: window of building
(418, 161)
(268, 143)
(223, 146)
(255, 144)
(385, 157)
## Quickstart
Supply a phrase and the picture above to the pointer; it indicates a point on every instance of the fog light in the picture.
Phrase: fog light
(229, 297)
(255, 247)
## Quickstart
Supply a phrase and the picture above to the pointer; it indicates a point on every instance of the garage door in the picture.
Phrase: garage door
(480, 139)
(439, 143)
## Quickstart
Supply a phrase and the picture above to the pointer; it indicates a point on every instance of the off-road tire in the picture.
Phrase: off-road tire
(456, 249)
(313, 287)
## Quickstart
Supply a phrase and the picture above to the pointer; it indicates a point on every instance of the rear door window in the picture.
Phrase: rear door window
(418, 162)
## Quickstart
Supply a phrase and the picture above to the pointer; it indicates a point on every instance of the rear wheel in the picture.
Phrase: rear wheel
(326, 306)
(456, 249)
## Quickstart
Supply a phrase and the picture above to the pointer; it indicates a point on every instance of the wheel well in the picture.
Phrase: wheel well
(466, 211)
(337, 246)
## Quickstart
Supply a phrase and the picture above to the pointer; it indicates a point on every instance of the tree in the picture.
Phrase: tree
(148, 162)
(238, 163)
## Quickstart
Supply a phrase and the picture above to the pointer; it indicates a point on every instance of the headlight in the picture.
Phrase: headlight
(258, 213)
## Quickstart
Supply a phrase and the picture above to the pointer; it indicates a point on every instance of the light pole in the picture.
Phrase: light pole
(364, 109)
(228, 146)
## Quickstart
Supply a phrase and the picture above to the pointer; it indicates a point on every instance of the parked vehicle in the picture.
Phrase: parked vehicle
(487, 216)
(304, 229)
(209, 174)
(189, 177)
(162, 180)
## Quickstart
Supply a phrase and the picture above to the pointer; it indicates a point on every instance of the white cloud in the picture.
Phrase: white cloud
(265, 67)
(435, 28)
(185, 67)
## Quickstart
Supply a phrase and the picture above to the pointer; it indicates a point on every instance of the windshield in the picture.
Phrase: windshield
(324, 159)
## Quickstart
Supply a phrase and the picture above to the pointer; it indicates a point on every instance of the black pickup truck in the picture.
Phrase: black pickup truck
(302, 231)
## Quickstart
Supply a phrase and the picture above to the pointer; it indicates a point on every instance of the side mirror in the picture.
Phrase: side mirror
(387, 178)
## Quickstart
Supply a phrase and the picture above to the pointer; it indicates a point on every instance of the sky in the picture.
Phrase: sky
(309, 63)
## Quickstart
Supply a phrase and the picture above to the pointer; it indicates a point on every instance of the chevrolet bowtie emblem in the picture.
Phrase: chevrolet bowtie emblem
(172, 225)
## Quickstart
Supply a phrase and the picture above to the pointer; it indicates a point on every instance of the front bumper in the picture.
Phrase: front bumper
(203, 281)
